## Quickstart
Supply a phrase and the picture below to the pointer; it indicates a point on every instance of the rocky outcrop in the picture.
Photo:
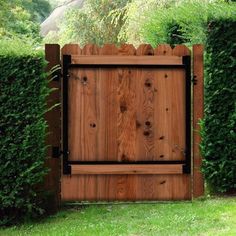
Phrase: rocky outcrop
(50, 24)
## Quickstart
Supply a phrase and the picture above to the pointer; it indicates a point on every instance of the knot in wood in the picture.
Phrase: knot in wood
(124, 158)
(92, 125)
(148, 83)
(146, 133)
(138, 124)
(84, 80)
(123, 107)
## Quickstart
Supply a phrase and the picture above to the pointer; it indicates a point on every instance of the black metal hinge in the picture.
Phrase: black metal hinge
(186, 169)
(56, 152)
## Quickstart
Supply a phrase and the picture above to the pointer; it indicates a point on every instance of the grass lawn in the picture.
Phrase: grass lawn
(205, 217)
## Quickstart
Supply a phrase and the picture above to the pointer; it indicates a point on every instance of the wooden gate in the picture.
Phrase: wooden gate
(126, 123)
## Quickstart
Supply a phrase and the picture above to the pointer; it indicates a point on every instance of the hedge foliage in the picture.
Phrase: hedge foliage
(185, 22)
(23, 89)
(219, 125)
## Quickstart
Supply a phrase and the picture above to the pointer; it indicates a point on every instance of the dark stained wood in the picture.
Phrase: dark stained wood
(198, 112)
(52, 179)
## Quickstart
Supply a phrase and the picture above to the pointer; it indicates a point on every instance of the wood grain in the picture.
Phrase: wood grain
(108, 105)
(127, 169)
(152, 187)
(126, 60)
(126, 123)
(145, 93)
(138, 115)
(83, 111)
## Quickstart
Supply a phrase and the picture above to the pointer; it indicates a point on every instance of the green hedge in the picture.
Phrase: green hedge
(184, 22)
(23, 89)
(219, 125)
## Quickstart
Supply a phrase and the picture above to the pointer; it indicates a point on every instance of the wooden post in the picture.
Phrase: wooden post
(52, 180)
(198, 111)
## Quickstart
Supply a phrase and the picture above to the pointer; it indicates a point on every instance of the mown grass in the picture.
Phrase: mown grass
(202, 217)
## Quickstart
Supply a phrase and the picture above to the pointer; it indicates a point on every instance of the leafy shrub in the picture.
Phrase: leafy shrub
(183, 22)
(23, 89)
(219, 125)
(21, 18)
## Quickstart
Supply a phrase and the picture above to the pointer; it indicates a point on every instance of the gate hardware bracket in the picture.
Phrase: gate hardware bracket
(186, 169)
(56, 152)
(194, 80)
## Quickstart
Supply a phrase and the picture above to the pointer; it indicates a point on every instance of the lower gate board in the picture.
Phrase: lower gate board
(126, 187)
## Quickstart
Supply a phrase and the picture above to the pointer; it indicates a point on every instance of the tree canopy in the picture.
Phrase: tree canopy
(21, 18)
(93, 23)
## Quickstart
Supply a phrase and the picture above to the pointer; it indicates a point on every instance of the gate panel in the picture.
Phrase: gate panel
(127, 115)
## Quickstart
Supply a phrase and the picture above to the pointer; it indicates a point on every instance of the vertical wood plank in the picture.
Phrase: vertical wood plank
(107, 140)
(52, 180)
(169, 114)
(90, 121)
(167, 84)
(145, 94)
(126, 122)
(182, 50)
(198, 112)
(83, 111)
(169, 109)
(125, 184)
(107, 103)
(72, 185)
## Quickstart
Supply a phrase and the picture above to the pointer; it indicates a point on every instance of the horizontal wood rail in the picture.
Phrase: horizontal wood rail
(128, 169)
(126, 60)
